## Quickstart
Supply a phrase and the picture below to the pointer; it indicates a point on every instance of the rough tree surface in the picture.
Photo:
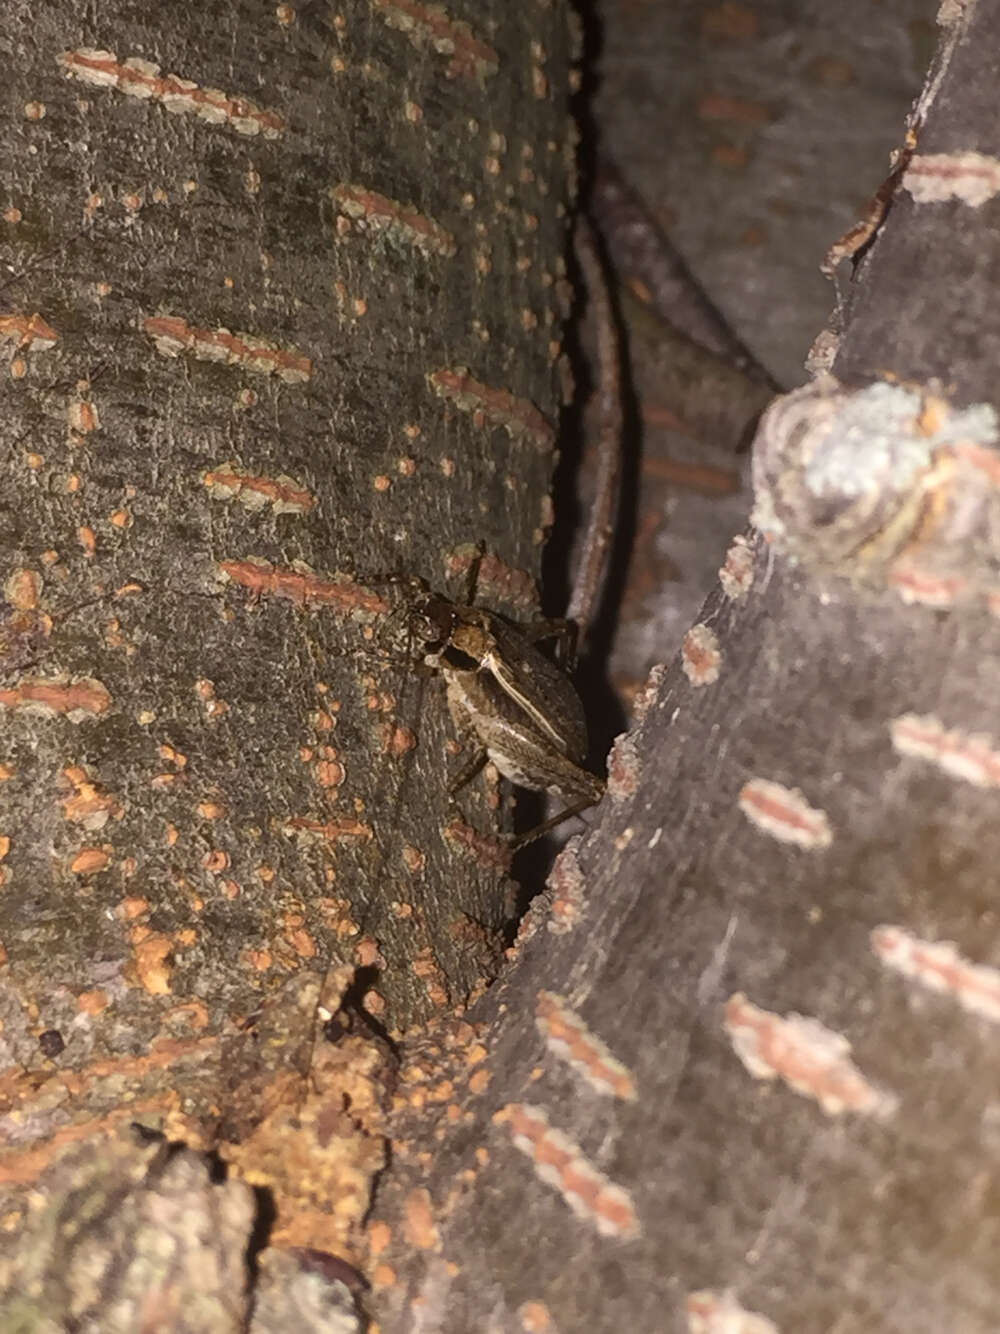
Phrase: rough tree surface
(742, 1073)
(283, 300)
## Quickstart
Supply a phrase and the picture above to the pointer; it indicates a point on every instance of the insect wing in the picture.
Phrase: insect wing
(540, 689)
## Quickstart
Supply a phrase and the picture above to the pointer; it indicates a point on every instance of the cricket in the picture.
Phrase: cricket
(510, 702)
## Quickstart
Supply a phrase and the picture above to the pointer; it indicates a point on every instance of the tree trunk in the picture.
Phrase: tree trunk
(742, 1073)
(284, 300)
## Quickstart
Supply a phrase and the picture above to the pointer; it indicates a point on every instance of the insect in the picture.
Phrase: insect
(516, 706)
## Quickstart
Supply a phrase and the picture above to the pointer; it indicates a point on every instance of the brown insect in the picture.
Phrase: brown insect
(517, 707)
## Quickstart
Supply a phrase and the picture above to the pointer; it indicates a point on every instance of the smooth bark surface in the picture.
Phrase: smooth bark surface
(742, 1074)
(283, 296)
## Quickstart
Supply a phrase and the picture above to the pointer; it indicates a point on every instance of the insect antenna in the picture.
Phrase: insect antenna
(472, 585)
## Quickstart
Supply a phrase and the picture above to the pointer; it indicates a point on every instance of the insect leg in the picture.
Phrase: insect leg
(562, 632)
(472, 586)
(468, 772)
(546, 827)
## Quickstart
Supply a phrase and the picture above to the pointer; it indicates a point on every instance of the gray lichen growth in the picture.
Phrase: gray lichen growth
(293, 1294)
(874, 438)
(887, 483)
(130, 1234)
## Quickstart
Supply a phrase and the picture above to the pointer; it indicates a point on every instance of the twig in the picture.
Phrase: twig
(590, 573)
(641, 253)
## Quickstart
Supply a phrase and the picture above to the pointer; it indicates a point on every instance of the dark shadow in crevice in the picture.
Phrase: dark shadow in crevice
(604, 713)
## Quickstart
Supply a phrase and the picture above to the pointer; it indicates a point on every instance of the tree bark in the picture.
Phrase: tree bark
(284, 300)
(742, 1072)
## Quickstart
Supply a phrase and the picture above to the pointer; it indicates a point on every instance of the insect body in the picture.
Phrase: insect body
(521, 711)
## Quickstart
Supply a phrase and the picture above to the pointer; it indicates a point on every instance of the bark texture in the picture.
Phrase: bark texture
(742, 1074)
(283, 298)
